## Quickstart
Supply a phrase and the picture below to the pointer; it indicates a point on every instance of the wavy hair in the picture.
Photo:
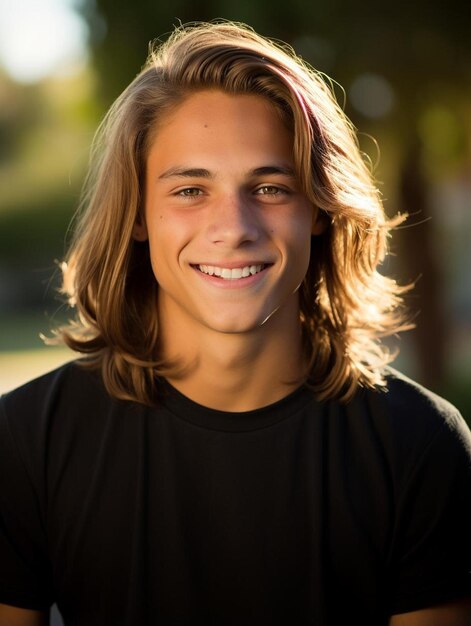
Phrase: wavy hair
(346, 305)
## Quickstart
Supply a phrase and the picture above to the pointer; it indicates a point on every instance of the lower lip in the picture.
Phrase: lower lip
(237, 283)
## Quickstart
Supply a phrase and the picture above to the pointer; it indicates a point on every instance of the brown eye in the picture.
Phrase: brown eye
(268, 190)
(190, 192)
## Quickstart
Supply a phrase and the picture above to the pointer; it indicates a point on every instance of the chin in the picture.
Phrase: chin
(233, 325)
(234, 328)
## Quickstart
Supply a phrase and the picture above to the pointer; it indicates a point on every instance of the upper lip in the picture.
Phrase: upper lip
(230, 265)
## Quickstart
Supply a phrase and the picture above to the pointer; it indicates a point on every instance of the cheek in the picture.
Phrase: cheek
(303, 255)
(300, 236)
(168, 238)
(159, 246)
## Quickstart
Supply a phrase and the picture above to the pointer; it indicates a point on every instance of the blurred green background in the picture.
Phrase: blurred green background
(405, 75)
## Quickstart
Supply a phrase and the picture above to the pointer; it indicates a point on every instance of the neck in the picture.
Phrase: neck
(237, 371)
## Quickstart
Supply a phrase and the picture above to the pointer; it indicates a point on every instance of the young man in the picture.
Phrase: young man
(233, 449)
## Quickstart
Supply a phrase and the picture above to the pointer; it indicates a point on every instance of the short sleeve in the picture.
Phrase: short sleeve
(25, 573)
(432, 544)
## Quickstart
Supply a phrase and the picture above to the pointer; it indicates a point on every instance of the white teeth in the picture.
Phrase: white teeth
(230, 274)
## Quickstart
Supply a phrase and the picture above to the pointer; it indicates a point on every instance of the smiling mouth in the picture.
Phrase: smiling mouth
(235, 273)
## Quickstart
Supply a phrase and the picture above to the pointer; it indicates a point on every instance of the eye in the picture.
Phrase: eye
(269, 190)
(189, 192)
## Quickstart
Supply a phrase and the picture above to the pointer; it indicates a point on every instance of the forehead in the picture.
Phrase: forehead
(223, 128)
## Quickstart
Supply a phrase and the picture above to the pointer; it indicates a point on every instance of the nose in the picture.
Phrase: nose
(233, 221)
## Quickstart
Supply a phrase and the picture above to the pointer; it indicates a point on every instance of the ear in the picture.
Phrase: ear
(319, 221)
(139, 231)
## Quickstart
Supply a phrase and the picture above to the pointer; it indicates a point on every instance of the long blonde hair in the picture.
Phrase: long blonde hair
(346, 305)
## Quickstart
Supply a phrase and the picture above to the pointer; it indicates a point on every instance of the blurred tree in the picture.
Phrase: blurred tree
(45, 131)
(409, 57)
(19, 113)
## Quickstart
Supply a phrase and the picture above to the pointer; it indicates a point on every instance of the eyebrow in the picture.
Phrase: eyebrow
(197, 172)
(182, 172)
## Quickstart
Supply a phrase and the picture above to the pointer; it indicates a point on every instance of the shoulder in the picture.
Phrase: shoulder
(72, 375)
(406, 395)
(44, 381)
(413, 422)
(57, 391)
(410, 406)
(49, 416)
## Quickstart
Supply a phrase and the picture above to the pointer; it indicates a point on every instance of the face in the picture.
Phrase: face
(228, 227)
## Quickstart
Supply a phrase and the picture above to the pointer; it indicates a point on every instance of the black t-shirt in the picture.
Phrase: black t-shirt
(302, 512)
